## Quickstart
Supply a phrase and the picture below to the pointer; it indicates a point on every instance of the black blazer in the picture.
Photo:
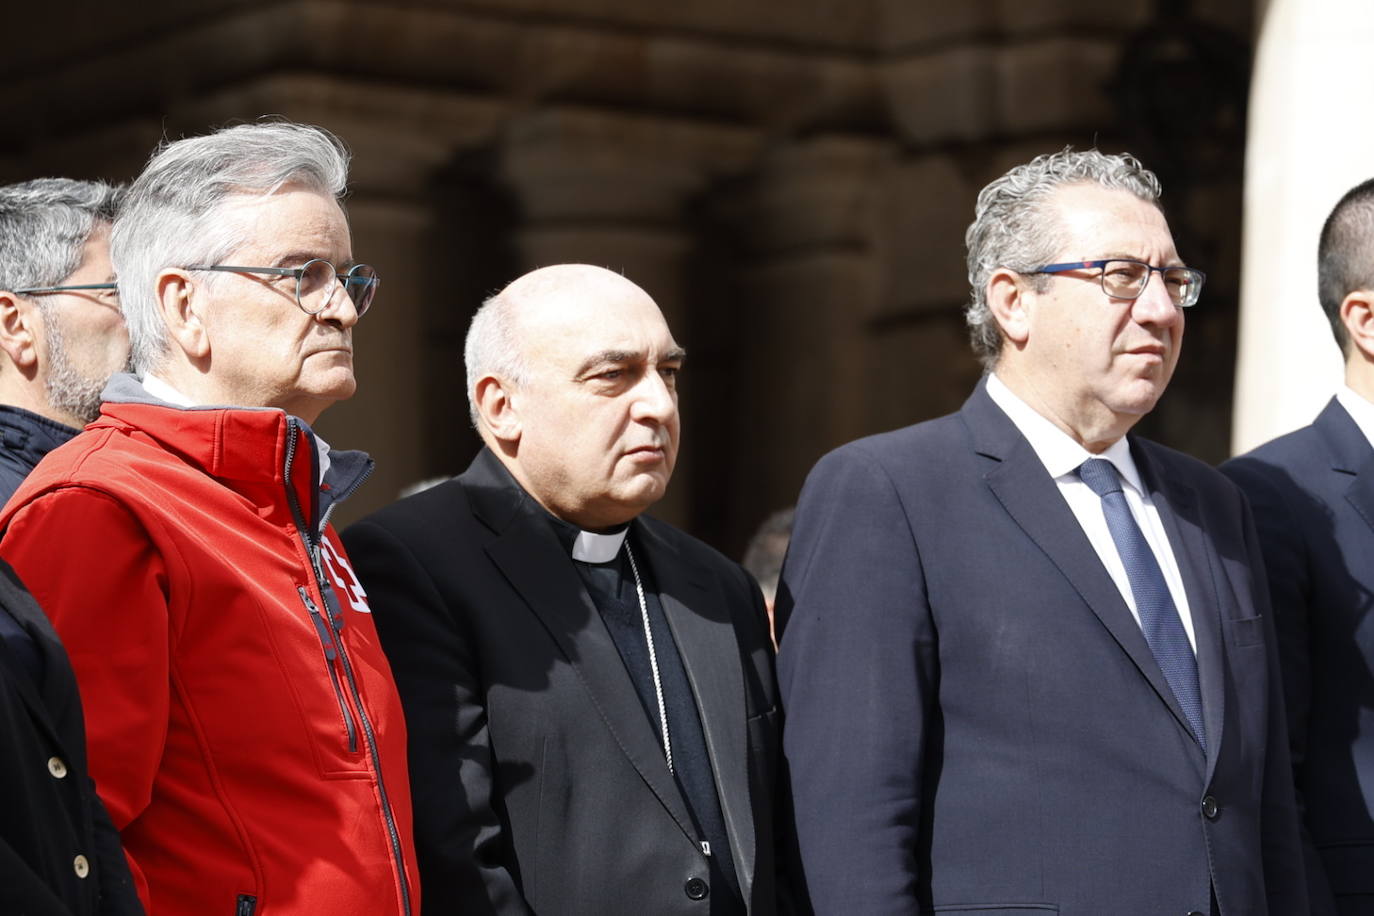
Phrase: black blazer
(49, 812)
(973, 719)
(537, 779)
(1312, 492)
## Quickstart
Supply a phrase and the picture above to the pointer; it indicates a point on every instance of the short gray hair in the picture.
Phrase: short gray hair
(493, 348)
(1011, 228)
(173, 216)
(45, 224)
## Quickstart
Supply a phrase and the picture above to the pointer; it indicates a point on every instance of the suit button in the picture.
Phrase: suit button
(57, 768)
(81, 866)
(696, 888)
(1194, 913)
(1210, 808)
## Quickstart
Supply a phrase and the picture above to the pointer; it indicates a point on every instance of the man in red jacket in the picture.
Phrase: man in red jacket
(245, 732)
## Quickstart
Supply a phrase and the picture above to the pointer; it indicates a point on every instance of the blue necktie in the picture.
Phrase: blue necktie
(1159, 619)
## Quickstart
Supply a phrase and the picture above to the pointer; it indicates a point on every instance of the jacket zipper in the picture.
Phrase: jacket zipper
(312, 550)
(329, 655)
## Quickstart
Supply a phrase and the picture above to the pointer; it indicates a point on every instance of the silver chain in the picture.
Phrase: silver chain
(653, 656)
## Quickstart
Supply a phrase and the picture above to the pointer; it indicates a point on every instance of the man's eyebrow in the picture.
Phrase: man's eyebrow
(606, 357)
(613, 357)
(298, 259)
(1132, 257)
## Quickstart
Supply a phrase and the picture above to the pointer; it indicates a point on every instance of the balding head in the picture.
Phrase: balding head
(494, 342)
(572, 377)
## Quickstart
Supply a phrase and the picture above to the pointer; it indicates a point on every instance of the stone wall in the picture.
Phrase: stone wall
(790, 180)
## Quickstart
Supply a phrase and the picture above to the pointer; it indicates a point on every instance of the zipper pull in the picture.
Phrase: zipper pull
(325, 639)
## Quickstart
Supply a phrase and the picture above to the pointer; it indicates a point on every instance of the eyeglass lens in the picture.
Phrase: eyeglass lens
(318, 284)
(1127, 280)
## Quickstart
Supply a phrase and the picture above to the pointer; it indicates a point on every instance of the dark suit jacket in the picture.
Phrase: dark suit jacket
(973, 719)
(538, 781)
(49, 812)
(1312, 492)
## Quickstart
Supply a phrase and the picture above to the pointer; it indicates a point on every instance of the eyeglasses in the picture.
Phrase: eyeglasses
(317, 281)
(111, 289)
(1123, 278)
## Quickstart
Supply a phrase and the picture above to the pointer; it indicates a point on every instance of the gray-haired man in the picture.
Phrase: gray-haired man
(61, 332)
(245, 732)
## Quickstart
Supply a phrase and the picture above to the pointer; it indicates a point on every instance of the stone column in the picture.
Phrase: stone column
(810, 285)
(1309, 140)
(613, 190)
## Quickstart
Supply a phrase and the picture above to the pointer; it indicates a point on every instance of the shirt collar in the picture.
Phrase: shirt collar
(1359, 408)
(163, 391)
(590, 547)
(1056, 449)
(587, 546)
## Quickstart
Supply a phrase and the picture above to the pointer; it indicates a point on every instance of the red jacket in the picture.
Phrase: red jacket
(244, 730)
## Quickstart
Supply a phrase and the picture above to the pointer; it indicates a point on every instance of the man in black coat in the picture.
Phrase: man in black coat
(589, 693)
(59, 853)
(1312, 492)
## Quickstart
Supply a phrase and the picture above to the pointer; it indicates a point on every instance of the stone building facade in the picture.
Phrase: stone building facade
(790, 180)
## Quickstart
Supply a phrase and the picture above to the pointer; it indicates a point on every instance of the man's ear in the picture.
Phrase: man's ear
(1007, 300)
(181, 306)
(1357, 314)
(496, 409)
(19, 324)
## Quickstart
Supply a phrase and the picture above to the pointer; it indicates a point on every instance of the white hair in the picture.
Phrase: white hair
(174, 213)
(492, 348)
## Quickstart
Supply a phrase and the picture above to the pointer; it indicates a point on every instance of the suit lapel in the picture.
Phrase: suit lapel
(1028, 493)
(1351, 455)
(533, 561)
(699, 617)
(1198, 567)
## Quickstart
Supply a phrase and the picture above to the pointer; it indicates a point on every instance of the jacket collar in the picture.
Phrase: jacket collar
(238, 445)
(1350, 455)
(29, 436)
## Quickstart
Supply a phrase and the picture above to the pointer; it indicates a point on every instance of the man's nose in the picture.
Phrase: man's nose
(654, 399)
(1154, 304)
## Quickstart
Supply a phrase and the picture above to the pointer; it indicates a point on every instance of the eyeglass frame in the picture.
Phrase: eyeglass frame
(36, 290)
(299, 274)
(1101, 263)
(76, 288)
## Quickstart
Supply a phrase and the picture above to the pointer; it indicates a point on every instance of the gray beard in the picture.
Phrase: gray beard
(67, 389)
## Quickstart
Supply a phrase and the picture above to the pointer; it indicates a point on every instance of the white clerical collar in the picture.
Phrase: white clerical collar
(1359, 408)
(1059, 452)
(591, 547)
(163, 390)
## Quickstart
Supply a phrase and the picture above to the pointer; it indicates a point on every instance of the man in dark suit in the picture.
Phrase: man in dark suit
(1312, 493)
(1025, 660)
(589, 693)
(59, 853)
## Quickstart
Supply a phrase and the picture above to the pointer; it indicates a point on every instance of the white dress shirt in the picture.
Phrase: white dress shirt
(1061, 456)
(1360, 410)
